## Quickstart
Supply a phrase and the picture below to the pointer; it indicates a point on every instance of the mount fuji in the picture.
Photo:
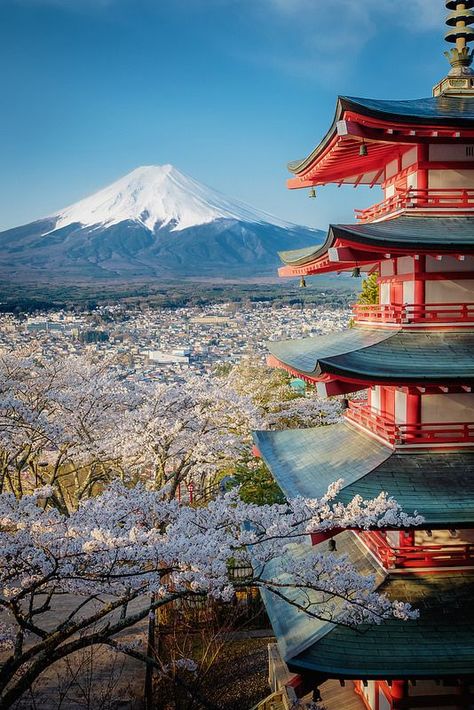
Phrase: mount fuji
(154, 222)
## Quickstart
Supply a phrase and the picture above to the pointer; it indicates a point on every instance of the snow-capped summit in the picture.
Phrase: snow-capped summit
(154, 222)
(159, 195)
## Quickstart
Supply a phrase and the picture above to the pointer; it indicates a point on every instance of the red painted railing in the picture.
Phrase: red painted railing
(410, 313)
(409, 434)
(431, 198)
(456, 555)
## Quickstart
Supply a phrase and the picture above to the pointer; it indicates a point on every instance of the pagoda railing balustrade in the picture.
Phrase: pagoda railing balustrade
(416, 556)
(406, 314)
(443, 199)
(409, 434)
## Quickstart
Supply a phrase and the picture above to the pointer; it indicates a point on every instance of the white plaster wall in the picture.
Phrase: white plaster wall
(386, 268)
(450, 178)
(385, 293)
(383, 702)
(400, 407)
(369, 693)
(449, 263)
(412, 180)
(409, 157)
(447, 408)
(408, 291)
(449, 291)
(448, 151)
(391, 169)
(405, 265)
(375, 398)
(393, 536)
(389, 191)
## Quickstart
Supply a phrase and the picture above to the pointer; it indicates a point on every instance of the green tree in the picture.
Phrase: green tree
(370, 291)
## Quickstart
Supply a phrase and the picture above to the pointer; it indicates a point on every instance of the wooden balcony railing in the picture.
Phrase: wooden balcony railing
(442, 199)
(425, 314)
(409, 434)
(415, 556)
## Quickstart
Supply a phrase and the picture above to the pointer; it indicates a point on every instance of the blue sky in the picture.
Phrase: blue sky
(229, 91)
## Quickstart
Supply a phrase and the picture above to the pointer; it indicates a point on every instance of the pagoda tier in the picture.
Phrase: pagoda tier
(412, 436)
(438, 646)
(389, 130)
(362, 356)
(305, 462)
(354, 245)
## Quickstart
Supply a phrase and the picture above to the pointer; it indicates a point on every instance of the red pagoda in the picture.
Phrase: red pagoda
(412, 435)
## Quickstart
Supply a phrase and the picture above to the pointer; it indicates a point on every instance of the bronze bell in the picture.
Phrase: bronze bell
(312, 192)
(363, 150)
(356, 273)
(302, 282)
(332, 545)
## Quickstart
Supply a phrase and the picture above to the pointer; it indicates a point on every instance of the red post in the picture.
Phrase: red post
(419, 294)
(398, 692)
(422, 177)
(191, 493)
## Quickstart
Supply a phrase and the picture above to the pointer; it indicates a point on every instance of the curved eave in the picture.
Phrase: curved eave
(349, 244)
(381, 119)
(437, 645)
(304, 462)
(368, 356)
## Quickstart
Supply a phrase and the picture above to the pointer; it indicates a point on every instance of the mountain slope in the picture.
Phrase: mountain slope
(154, 222)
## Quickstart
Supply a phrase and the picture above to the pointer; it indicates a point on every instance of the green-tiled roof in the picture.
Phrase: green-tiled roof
(439, 644)
(295, 630)
(378, 355)
(440, 486)
(440, 233)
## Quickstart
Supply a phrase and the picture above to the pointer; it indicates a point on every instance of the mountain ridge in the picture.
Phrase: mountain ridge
(155, 222)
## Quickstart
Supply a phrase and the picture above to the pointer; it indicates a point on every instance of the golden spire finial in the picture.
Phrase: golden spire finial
(460, 80)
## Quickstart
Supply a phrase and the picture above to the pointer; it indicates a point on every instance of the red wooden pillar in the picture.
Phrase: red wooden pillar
(422, 177)
(398, 692)
(413, 417)
(419, 294)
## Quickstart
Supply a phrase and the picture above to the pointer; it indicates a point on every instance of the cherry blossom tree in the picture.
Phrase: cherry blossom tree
(187, 433)
(58, 421)
(279, 405)
(130, 551)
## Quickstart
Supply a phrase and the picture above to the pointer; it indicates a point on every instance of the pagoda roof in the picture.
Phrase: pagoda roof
(438, 644)
(405, 233)
(304, 462)
(385, 124)
(376, 355)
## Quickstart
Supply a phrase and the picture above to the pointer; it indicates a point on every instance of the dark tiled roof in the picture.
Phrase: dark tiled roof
(378, 355)
(439, 644)
(296, 631)
(440, 233)
(446, 110)
(440, 111)
(440, 486)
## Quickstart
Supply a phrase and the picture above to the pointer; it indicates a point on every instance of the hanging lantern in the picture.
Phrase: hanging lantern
(312, 193)
(356, 273)
(302, 282)
(363, 150)
(332, 545)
